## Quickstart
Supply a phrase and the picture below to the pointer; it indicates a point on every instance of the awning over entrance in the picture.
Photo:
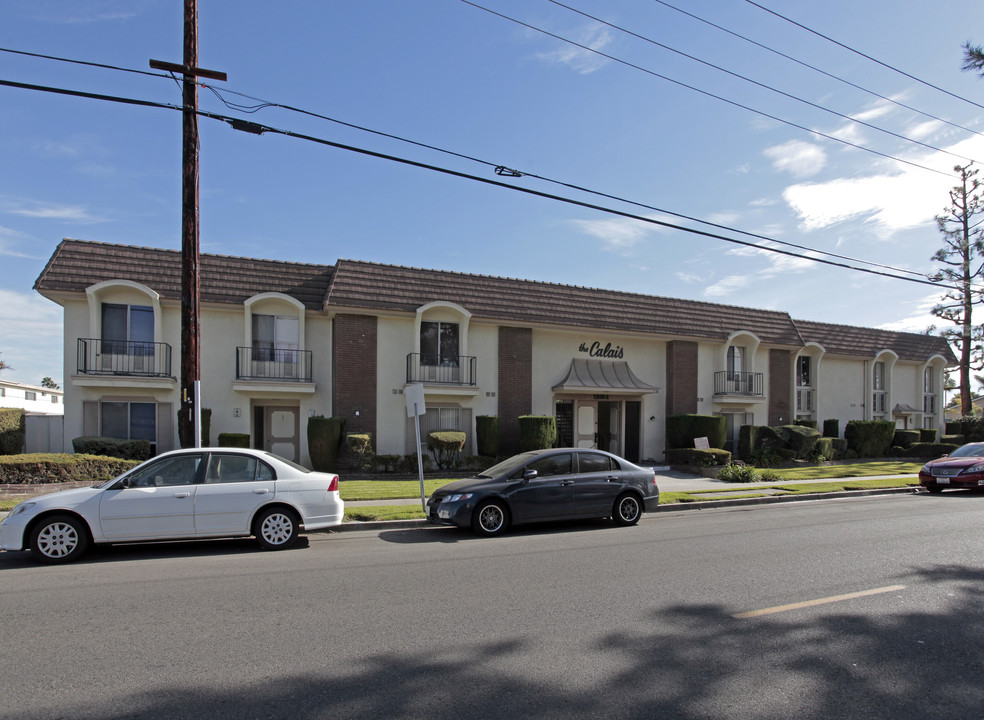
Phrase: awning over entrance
(903, 409)
(602, 377)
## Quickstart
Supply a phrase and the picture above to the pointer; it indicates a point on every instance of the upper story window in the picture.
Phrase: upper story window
(273, 333)
(804, 372)
(736, 355)
(439, 343)
(125, 324)
(879, 376)
(30, 395)
(929, 381)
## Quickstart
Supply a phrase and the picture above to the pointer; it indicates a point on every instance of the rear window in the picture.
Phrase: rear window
(594, 462)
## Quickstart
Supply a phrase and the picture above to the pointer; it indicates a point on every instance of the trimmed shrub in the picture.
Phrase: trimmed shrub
(905, 438)
(831, 428)
(384, 463)
(787, 454)
(763, 458)
(929, 450)
(735, 473)
(970, 426)
(487, 434)
(408, 463)
(446, 445)
(234, 440)
(869, 438)
(801, 439)
(41, 468)
(806, 423)
(112, 447)
(360, 446)
(927, 435)
(748, 440)
(825, 447)
(682, 429)
(11, 431)
(325, 441)
(206, 422)
(952, 427)
(701, 458)
(953, 439)
(537, 432)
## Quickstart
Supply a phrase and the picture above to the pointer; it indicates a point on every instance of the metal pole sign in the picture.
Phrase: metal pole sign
(415, 408)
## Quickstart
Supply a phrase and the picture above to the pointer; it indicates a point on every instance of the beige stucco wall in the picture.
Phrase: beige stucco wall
(841, 390)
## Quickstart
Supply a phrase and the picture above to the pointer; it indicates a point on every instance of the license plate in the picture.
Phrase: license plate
(942, 481)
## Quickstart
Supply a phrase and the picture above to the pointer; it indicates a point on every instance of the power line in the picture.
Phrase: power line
(704, 92)
(84, 62)
(258, 129)
(760, 84)
(816, 69)
(866, 57)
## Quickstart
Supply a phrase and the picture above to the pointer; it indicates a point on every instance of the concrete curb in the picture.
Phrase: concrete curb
(675, 507)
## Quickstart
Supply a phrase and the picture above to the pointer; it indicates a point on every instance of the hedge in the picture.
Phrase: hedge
(927, 435)
(234, 440)
(906, 438)
(325, 441)
(681, 430)
(42, 468)
(11, 431)
(701, 458)
(446, 445)
(831, 428)
(537, 432)
(487, 434)
(929, 450)
(112, 447)
(869, 438)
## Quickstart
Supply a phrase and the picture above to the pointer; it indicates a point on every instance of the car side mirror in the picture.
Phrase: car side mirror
(529, 474)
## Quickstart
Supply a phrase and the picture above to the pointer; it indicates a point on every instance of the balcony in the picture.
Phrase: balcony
(273, 364)
(123, 358)
(446, 370)
(746, 384)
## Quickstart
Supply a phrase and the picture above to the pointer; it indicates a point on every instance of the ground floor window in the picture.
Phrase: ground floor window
(452, 417)
(129, 421)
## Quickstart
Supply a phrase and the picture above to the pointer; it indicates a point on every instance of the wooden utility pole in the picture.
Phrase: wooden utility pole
(189, 417)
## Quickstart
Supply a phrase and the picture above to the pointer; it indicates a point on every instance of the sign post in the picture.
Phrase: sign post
(415, 408)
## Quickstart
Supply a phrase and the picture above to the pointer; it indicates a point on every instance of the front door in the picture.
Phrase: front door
(280, 431)
(609, 424)
(585, 424)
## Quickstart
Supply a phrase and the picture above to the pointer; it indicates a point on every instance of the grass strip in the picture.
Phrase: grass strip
(386, 489)
(367, 513)
(865, 469)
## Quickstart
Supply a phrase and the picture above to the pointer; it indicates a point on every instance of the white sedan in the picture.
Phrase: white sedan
(184, 494)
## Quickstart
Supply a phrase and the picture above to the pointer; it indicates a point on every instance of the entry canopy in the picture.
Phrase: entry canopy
(602, 377)
(904, 409)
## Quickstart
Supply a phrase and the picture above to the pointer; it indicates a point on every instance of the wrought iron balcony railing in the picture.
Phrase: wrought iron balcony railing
(729, 382)
(441, 370)
(273, 364)
(95, 356)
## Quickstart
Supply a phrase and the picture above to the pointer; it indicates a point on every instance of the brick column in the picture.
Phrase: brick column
(780, 387)
(515, 384)
(681, 377)
(354, 372)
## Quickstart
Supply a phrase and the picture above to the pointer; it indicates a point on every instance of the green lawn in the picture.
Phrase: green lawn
(862, 469)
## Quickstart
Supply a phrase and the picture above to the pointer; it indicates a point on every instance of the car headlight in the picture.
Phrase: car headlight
(456, 498)
(975, 469)
(925, 469)
(24, 506)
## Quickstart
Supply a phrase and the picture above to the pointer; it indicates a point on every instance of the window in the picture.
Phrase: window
(129, 421)
(879, 376)
(879, 398)
(929, 381)
(804, 376)
(54, 399)
(594, 462)
(551, 465)
(439, 343)
(735, 354)
(126, 324)
(236, 468)
(166, 472)
(275, 337)
(30, 395)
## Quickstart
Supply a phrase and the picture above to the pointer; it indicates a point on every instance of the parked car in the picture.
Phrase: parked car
(183, 494)
(557, 484)
(963, 468)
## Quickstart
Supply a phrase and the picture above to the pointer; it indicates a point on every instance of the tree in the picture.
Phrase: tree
(973, 58)
(963, 247)
(47, 382)
(4, 366)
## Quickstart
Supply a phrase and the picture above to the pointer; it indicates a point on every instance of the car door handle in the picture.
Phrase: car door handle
(612, 478)
(182, 494)
(565, 483)
(261, 491)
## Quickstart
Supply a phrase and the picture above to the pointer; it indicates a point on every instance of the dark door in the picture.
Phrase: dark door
(633, 430)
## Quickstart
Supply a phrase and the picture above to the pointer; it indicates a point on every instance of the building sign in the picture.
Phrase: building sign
(597, 350)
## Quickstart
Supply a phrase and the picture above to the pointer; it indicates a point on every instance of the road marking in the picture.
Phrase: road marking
(818, 601)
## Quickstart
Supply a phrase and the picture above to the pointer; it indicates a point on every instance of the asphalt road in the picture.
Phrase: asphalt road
(860, 608)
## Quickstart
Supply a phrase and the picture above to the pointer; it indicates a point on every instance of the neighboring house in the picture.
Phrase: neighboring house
(31, 398)
(953, 410)
(284, 341)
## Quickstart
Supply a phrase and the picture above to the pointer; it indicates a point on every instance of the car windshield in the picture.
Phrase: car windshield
(969, 450)
(507, 466)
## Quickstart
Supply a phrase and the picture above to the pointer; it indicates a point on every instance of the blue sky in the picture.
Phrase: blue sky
(447, 74)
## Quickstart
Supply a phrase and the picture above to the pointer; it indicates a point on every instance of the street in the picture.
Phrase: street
(857, 608)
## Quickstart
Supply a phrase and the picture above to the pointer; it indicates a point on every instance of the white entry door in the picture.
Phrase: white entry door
(585, 424)
(281, 431)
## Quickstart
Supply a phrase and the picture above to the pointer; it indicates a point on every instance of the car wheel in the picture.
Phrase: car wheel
(490, 518)
(276, 528)
(59, 539)
(934, 489)
(627, 509)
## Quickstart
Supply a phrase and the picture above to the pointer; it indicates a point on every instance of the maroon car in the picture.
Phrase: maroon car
(963, 468)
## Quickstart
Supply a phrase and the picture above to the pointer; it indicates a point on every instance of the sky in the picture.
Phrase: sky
(645, 106)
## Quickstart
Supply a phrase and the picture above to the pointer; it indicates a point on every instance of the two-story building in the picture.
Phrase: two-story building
(284, 341)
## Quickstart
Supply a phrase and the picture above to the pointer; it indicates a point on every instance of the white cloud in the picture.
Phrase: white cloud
(619, 234)
(728, 286)
(50, 211)
(596, 37)
(920, 318)
(800, 159)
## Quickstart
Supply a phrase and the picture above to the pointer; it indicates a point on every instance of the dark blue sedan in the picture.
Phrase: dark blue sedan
(543, 485)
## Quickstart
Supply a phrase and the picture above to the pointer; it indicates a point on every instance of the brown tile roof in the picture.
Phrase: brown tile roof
(77, 264)
(372, 286)
(868, 342)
